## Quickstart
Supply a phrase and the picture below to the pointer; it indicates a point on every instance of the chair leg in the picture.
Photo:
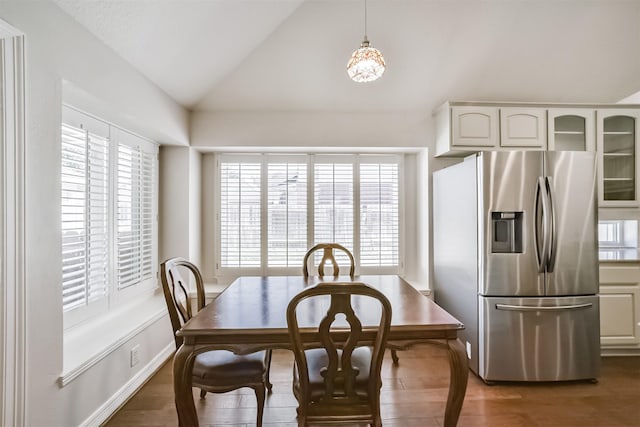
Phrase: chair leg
(260, 397)
(268, 363)
(202, 394)
(394, 356)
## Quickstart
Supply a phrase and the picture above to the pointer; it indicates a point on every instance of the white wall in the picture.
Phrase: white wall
(57, 50)
(180, 204)
(208, 217)
(310, 130)
(195, 206)
(267, 132)
(174, 203)
(631, 99)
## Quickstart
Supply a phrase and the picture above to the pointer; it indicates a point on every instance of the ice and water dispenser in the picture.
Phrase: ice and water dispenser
(506, 232)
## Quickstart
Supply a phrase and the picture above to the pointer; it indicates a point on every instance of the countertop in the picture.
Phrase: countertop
(619, 255)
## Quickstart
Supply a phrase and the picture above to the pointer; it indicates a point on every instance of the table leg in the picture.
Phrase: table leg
(182, 371)
(459, 366)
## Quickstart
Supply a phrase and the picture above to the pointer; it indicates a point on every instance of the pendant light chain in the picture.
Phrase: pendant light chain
(365, 19)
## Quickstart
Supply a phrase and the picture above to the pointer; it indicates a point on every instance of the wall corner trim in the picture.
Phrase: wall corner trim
(12, 221)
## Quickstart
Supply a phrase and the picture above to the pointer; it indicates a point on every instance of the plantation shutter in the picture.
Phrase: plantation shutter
(240, 214)
(287, 211)
(333, 206)
(379, 214)
(135, 210)
(84, 209)
(274, 207)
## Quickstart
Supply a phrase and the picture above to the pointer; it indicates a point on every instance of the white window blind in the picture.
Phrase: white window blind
(379, 214)
(333, 206)
(84, 212)
(135, 215)
(287, 214)
(240, 210)
(108, 216)
(273, 208)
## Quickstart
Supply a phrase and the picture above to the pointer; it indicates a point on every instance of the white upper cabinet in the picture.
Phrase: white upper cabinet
(463, 128)
(571, 129)
(474, 126)
(611, 130)
(466, 129)
(523, 127)
(618, 137)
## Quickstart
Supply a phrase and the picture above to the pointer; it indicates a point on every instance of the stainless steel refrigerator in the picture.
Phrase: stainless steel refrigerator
(515, 259)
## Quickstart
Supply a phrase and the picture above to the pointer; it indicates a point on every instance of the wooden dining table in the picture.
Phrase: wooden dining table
(250, 315)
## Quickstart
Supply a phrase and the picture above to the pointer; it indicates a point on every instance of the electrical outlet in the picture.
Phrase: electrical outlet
(135, 355)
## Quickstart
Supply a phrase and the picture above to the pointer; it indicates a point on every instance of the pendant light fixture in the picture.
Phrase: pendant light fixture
(366, 63)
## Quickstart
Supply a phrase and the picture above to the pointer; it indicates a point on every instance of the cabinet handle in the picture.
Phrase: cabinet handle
(542, 308)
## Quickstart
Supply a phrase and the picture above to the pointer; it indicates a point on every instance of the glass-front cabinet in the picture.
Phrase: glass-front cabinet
(571, 129)
(618, 144)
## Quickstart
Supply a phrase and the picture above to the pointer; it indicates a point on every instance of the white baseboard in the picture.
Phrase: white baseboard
(606, 352)
(111, 406)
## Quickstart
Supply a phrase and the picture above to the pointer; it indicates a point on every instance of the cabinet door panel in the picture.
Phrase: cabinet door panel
(620, 305)
(571, 129)
(616, 316)
(618, 142)
(475, 126)
(523, 127)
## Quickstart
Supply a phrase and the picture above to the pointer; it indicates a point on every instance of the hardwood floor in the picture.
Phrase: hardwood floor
(414, 395)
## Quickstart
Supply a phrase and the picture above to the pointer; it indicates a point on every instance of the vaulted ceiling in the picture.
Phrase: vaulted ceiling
(291, 55)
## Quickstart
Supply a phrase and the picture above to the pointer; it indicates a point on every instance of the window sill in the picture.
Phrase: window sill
(619, 254)
(419, 286)
(88, 343)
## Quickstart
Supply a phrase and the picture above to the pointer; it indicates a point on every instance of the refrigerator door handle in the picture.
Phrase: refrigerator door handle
(553, 235)
(543, 308)
(541, 256)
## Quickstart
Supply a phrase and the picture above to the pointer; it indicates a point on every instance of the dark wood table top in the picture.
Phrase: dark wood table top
(256, 306)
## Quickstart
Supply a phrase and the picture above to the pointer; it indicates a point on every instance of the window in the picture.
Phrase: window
(618, 233)
(272, 208)
(135, 209)
(85, 190)
(378, 214)
(333, 206)
(287, 214)
(240, 214)
(108, 215)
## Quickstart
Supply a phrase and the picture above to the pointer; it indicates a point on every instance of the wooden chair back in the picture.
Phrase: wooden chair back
(347, 394)
(176, 292)
(327, 255)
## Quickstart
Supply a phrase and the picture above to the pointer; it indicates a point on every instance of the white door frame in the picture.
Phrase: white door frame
(12, 218)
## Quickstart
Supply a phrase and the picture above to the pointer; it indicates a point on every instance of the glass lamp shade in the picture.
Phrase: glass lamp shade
(366, 63)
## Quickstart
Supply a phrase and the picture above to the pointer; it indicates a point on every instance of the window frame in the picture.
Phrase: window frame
(115, 297)
(228, 274)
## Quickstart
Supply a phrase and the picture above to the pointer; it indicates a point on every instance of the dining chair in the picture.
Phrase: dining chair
(328, 255)
(216, 371)
(337, 378)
